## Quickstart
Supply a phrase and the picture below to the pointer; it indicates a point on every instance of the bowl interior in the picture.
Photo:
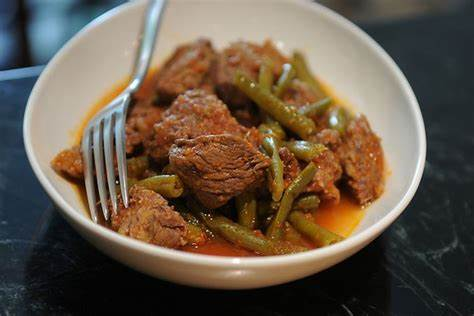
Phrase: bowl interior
(356, 68)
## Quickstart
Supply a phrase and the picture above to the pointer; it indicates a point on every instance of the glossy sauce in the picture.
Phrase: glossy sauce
(341, 219)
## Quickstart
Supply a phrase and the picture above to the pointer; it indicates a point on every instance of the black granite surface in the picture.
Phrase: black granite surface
(422, 265)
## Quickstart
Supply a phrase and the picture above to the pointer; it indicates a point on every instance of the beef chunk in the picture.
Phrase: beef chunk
(139, 126)
(329, 138)
(69, 163)
(361, 156)
(291, 167)
(188, 68)
(299, 93)
(329, 171)
(246, 57)
(149, 218)
(193, 114)
(218, 167)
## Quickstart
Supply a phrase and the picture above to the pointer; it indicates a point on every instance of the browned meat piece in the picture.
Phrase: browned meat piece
(246, 57)
(139, 126)
(149, 218)
(188, 68)
(361, 156)
(247, 116)
(193, 114)
(291, 167)
(218, 167)
(69, 163)
(329, 138)
(299, 93)
(329, 171)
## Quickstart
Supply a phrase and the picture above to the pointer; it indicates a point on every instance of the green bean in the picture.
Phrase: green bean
(136, 166)
(193, 220)
(307, 202)
(246, 205)
(244, 237)
(338, 119)
(195, 235)
(317, 108)
(319, 235)
(286, 115)
(292, 235)
(276, 182)
(304, 73)
(305, 150)
(291, 193)
(265, 80)
(272, 127)
(287, 75)
(169, 186)
(265, 75)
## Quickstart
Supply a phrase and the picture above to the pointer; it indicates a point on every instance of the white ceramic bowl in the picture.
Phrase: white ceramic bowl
(344, 56)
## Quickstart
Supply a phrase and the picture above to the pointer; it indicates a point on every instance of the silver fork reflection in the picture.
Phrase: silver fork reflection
(103, 141)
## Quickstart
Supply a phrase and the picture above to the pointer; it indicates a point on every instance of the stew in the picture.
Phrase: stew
(240, 152)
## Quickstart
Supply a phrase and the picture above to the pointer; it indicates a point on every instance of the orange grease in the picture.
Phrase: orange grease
(145, 90)
(341, 219)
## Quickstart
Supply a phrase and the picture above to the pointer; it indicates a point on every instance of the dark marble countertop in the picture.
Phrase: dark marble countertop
(423, 264)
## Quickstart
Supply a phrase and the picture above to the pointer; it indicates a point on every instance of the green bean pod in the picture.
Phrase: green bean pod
(291, 193)
(304, 73)
(277, 184)
(244, 237)
(287, 75)
(195, 235)
(338, 119)
(169, 186)
(317, 108)
(319, 235)
(272, 127)
(136, 166)
(308, 202)
(246, 205)
(286, 115)
(265, 75)
(292, 235)
(305, 150)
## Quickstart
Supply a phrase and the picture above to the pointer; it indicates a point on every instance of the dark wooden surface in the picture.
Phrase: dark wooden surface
(422, 265)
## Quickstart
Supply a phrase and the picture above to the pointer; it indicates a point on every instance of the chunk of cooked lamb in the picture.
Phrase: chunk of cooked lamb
(217, 168)
(150, 218)
(362, 158)
(69, 163)
(188, 68)
(192, 114)
(246, 57)
(139, 126)
(328, 172)
(291, 167)
(299, 93)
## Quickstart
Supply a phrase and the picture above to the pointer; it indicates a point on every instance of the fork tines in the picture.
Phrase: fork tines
(107, 128)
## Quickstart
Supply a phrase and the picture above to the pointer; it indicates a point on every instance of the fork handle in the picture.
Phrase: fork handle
(150, 28)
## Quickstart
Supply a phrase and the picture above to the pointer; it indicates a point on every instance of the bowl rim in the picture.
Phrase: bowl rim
(362, 238)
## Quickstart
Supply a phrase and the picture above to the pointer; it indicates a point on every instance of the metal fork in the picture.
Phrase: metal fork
(109, 124)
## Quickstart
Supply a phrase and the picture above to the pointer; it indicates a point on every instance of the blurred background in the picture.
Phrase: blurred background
(31, 31)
